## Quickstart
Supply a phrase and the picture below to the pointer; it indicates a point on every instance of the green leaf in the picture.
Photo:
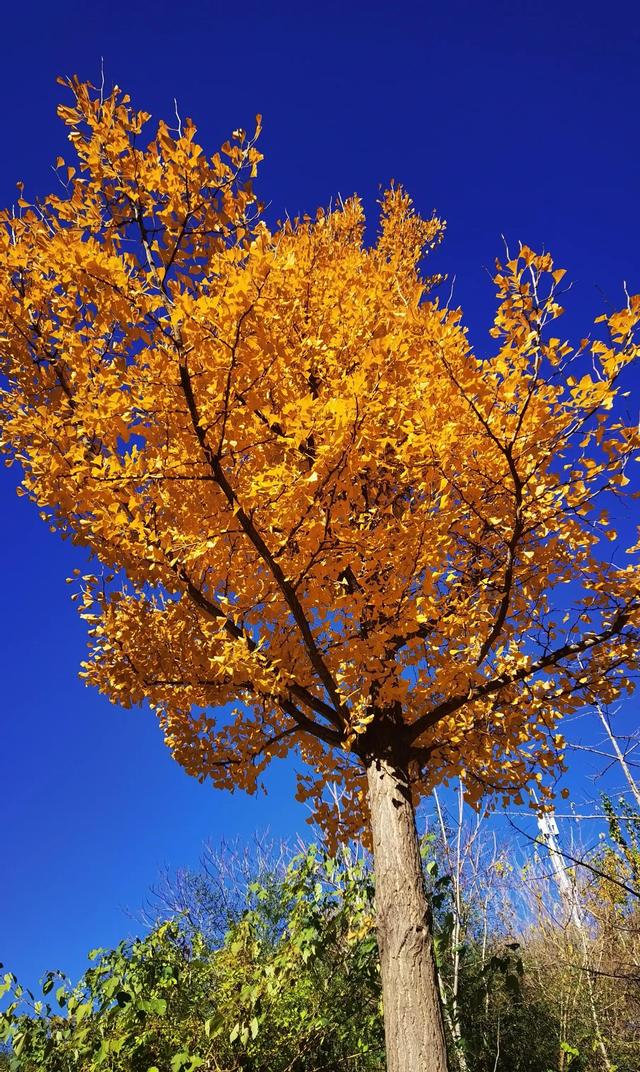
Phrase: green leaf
(186, 1061)
(158, 1006)
(566, 1048)
(82, 1011)
(214, 1025)
(18, 1042)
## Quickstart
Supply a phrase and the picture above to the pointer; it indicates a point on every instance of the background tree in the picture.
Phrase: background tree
(306, 494)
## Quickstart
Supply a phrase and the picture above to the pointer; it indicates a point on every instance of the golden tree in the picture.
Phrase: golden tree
(306, 495)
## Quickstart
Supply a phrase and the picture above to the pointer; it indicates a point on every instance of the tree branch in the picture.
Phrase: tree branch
(454, 703)
(263, 551)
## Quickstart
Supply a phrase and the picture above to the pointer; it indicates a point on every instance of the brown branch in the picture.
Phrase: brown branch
(507, 587)
(259, 544)
(553, 658)
(309, 725)
(241, 760)
(336, 715)
(303, 723)
(237, 633)
(632, 891)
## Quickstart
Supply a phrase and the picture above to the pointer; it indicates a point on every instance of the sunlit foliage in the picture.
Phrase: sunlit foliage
(306, 495)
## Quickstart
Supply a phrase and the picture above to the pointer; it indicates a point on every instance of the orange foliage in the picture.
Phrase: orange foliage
(304, 492)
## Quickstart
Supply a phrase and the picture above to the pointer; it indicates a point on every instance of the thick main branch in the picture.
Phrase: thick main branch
(545, 662)
(248, 527)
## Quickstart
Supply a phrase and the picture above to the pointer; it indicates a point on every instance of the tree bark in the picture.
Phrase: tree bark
(414, 1030)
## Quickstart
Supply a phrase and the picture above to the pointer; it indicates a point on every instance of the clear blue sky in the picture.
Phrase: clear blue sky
(513, 118)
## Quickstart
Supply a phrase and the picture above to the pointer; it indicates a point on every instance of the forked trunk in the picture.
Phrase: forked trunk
(413, 1024)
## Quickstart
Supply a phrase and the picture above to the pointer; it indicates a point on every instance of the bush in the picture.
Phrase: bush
(261, 964)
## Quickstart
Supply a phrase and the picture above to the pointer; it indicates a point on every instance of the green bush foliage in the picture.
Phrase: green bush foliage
(272, 967)
(293, 986)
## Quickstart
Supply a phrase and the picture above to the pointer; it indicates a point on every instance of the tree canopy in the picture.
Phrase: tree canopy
(305, 493)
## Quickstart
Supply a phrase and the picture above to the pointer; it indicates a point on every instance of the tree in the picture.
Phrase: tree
(307, 496)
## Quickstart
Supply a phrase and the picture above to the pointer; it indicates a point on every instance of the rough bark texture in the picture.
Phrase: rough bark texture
(412, 1016)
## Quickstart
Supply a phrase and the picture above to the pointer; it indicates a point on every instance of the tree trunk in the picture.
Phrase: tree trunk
(414, 1031)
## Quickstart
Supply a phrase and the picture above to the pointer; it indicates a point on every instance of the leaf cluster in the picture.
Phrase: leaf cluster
(304, 493)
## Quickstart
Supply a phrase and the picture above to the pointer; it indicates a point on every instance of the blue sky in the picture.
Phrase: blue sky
(510, 118)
